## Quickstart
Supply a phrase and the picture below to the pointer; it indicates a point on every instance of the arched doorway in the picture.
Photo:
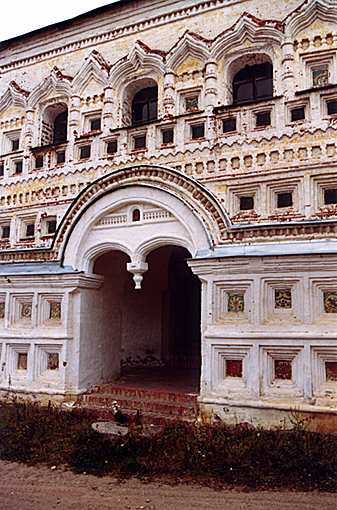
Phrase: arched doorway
(154, 333)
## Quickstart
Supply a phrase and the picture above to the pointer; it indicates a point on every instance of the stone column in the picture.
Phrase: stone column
(169, 94)
(211, 93)
(288, 68)
(107, 114)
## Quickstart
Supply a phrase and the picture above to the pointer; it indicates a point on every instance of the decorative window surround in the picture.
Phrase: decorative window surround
(50, 312)
(12, 372)
(234, 195)
(271, 386)
(289, 186)
(293, 105)
(323, 300)
(48, 365)
(87, 121)
(322, 386)
(322, 60)
(8, 138)
(228, 296)
(226, 385)
(22, 311)
(272, 311)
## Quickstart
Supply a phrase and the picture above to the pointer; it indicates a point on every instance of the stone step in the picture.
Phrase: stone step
(177, 409)
(144, 394)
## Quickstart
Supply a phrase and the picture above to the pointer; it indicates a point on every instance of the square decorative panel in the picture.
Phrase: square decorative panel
(22, 361)
(236, 302)
(55, 310)
(282, 369)
(53, 360)
(283, 298)
(320, 77)
(331, 370)
(330, 302)
(26, 311)
(233, 368)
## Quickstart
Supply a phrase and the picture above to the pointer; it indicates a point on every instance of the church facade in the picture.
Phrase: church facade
(168, 197)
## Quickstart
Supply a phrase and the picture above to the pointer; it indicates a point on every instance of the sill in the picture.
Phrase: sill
(229, 133)
(167, 145)
(261, 128)
(201, 139)
(136, 151)
(222, 108)
(89, 134)
(52, 146)
(12, 153)
(316, 89)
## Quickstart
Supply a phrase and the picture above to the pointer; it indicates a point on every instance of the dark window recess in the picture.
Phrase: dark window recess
(284, 199)
(15, 144)
(136, 215)
(331, 370)
(2, 169)
(192, 103)
(263, 119)
(253, 82)
(330, 196)
(85, 152)
(111, 147)
(167, 136)
(39, 162)
(246, 203)
(139, 142)
(60, 157)
(60, 128)
(51, 226)
(332, 107)
(18, 167)
(30, 230)
(229, 125)
(22, 361)
(198, 131)
(145, 105)
(5, 231)
(297, 114)
(95, 124)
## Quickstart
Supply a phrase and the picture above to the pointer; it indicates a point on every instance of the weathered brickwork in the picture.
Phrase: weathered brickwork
(209, 125)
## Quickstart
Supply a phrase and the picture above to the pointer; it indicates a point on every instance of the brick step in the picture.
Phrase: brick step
(117, 392)
(147, 419)
(144, 406)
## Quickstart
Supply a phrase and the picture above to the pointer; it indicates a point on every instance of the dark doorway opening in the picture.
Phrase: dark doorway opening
(154, 333)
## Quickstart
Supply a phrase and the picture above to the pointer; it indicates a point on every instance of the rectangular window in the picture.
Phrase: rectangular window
(331, 370)
(95, 124)
(18, 166)
(51, 226)
(284, 199)
(53, 361)
(167, 136)
(330, 196)
(297, 114)
(320, 76)
(85, 151)
(139, 142)
(2, 169)
(111, 147)
(229, 125)
(283, 299)
(198, 131)
(60, 157)
(5, 231)
(192, 103)
(30, 230)
(246, 203)
(263, 119)
(15, 144)
(38, 161)
(332, 107)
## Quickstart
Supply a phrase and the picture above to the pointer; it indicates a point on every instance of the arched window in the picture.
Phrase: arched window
(253, 82)
(54, 128)
(60, 128)
(145, 105)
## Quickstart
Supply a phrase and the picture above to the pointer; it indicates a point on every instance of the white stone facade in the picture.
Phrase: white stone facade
(249, 189)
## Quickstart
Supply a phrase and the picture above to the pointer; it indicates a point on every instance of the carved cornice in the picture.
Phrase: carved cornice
(94, 67)
(306, 13)
(14, 95)
(56, 81)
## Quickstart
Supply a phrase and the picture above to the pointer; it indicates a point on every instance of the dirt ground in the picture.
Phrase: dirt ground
(41, 488)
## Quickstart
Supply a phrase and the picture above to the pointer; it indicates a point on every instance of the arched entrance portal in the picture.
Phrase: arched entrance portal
(154, 333)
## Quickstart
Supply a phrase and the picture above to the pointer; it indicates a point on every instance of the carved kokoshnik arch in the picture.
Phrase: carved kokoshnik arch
(200, 219)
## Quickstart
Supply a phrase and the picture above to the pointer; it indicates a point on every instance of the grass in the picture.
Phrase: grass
(228, 455)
